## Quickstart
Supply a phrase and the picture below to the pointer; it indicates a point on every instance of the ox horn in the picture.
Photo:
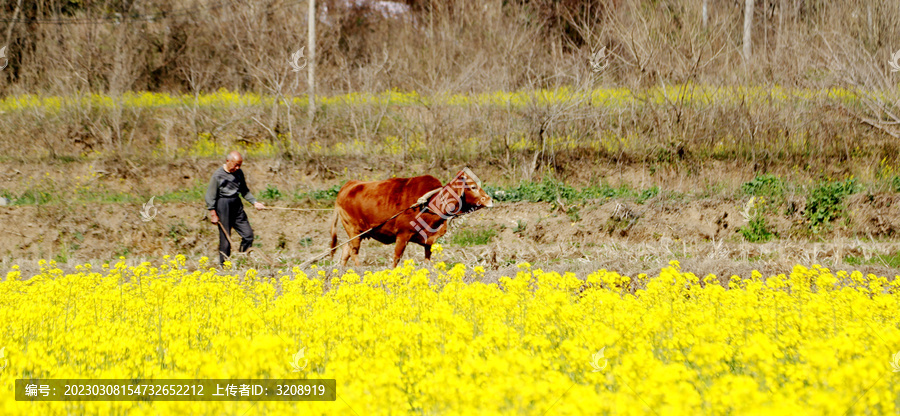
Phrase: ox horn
(469, 174)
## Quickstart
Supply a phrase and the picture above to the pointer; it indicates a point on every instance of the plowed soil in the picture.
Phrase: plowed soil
(700, 231)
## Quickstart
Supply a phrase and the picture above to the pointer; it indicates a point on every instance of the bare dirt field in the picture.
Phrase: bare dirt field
(699, 228)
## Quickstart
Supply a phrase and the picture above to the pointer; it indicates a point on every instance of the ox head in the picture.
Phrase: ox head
(461, 196)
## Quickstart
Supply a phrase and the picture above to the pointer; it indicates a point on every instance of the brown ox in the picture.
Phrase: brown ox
(362, 206)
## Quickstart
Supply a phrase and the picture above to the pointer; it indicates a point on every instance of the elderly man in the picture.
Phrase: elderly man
(224, 203)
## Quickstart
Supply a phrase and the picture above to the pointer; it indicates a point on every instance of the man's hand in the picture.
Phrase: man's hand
(259, 205)
(213, 217)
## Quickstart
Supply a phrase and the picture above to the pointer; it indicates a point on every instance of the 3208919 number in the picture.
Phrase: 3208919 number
(300, 390)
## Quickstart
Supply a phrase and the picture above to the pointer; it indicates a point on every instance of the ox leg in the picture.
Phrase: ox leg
(402, 240)
(428, 252)
(345, 255)
(354, 250)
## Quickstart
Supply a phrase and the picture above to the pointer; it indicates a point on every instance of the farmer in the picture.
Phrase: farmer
(224, 204)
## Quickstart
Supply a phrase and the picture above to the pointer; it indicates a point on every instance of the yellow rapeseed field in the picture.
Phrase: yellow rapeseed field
(434, 340)
(611, 97)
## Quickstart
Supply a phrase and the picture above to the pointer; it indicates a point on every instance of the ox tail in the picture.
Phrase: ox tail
(334, 222)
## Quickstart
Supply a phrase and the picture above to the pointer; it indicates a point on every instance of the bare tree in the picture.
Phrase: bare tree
(748, 28)
(705, 13)
(12, 23)
(311, 66)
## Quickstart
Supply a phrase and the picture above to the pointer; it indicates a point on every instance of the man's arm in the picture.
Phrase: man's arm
(244, 190)
(212, 191)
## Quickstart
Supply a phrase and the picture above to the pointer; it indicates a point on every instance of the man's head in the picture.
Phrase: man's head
(233, 161)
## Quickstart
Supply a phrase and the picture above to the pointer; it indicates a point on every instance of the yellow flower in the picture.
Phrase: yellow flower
(423, 340)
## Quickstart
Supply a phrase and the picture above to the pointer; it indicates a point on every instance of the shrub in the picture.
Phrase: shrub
(757, 231)
(271, 192)
(764, 185)
(826, 202)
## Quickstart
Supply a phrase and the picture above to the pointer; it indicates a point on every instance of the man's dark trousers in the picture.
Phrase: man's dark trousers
(231, 214)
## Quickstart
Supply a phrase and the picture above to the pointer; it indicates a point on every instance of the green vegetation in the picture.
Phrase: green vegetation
(323, 196)
(647, 194)
(551, 190)
(769, 186)
(826, 203)
(520, 227)
(51, 195)
(178, 230)
(63, 255)
(54, 194)
(573, 213)
(472, 237)
(29, 197)
(270, 193)
(196, 192)
(768, 192)
(757, 231)
(887, 260)
(556, 192)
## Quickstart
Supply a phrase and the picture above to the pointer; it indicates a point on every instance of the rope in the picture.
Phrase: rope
(300, 209)
(421, 201)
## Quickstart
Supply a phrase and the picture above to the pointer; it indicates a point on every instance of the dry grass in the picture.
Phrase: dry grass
(441, 46)
(659, 53)
(771, 129)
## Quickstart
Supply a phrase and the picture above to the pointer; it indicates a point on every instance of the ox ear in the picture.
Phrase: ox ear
(471, 175)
